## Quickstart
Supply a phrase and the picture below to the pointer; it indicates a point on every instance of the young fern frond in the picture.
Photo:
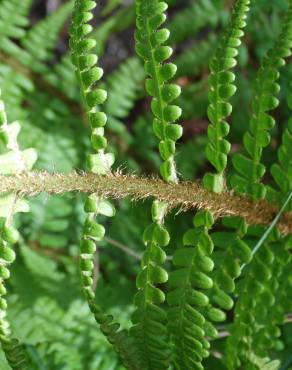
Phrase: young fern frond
(15, 352)
(99, 163)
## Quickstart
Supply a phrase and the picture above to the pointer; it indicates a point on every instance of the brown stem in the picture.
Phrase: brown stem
(185, 195)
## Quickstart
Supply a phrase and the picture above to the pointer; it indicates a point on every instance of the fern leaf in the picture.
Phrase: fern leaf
(221, 89)
(47, 30)
(189, 21)
(191, 61)
(100, 163)
(282, 171)
(187, 299)
(149, 47)
(248, 166)
(149, 319)
(14, 161)
(130, 75)
(13, 18)
(191, 346)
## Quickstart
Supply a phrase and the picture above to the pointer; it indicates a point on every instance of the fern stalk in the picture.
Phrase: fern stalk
(184, 196)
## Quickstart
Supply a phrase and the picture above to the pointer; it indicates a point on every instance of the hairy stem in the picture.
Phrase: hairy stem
(185, 195)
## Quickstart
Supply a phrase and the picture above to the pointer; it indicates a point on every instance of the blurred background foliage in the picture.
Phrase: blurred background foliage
(47, 310)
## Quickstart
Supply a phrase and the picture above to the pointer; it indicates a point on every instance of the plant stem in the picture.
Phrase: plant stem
(185, 195)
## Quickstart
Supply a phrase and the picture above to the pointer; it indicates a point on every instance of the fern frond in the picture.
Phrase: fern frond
(42, 38)
(149, 46)
(16, 161)
(191, 346)
(248, 166)
(149, 319)
(187, 299)
(262, 335)
(282, 171)
(130, 75)
(221, 89)
(13, 18)
(100, 163)
(191, 61)
(189, 21)
(255, 329)
(149, 329)
(118, 22)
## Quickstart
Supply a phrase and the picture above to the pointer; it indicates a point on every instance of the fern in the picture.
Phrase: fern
(192, 19)
(13, 19)
(33, 41)
(15, 161)
(130, 75)
(188, 303)
(149, 318)
(184, 287)
(100, 164)
(191, 62)
(220, 90)
(250, 170)
(258, 190)
(190, 351)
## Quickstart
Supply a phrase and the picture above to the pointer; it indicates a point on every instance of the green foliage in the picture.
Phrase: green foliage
(187, 298)
(248, 166)
(207, 297)
(149, 46)
(221, 89)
